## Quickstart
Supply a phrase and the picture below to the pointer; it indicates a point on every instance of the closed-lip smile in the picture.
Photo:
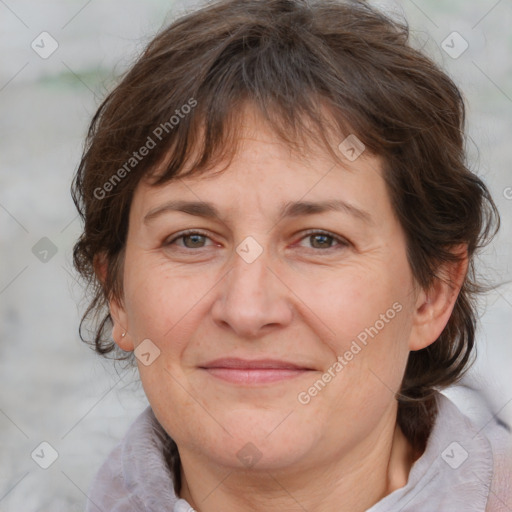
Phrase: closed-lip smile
(255, 371)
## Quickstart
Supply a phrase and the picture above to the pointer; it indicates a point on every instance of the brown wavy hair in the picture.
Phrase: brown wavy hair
(182, 98)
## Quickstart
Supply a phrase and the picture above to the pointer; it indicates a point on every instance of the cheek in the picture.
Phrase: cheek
(368, 316)
(159, 298)
(355, 304)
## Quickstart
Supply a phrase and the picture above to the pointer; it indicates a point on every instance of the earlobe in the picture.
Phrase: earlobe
(434, 306)
(120, 333)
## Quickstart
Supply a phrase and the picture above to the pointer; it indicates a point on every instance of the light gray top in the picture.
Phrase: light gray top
(462, 469)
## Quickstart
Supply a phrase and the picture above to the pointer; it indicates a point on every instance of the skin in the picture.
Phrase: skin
(303, 299)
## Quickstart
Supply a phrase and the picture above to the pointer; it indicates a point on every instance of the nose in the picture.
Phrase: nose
(252, 299)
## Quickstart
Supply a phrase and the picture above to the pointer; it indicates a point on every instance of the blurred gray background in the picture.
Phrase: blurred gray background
(54, 388)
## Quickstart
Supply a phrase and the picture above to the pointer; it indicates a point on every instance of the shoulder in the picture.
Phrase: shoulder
(108, 488)
(487, 423)
(135, 476)
(500, 496)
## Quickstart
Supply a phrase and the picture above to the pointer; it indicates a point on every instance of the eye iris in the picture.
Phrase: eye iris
(319, 240)
(196, 237)
(323, 239)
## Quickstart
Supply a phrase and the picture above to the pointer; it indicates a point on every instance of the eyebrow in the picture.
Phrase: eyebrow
(290, 209)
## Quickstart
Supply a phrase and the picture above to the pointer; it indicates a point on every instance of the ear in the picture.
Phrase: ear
(434, 306)
(120, 333)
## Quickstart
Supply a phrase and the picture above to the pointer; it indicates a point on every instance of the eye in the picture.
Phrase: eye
(323, 240)
(195, 239)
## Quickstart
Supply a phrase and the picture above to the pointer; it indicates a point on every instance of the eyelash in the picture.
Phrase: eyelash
(342, 242)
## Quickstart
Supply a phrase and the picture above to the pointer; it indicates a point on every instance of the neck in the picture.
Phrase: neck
(352, 481)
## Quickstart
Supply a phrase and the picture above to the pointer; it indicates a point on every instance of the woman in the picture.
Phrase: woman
(280, 230)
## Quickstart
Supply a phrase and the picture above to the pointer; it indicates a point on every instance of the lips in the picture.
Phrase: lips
(263, 364)
(260, 371)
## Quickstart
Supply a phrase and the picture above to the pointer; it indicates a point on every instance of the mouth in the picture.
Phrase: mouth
(262, 371)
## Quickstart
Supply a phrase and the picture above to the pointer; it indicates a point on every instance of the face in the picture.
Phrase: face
(278, 335)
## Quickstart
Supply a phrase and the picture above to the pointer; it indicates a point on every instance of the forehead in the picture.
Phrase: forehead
(267, 175)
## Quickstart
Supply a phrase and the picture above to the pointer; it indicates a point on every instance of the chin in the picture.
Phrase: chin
(262, 456)
(260, 443)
